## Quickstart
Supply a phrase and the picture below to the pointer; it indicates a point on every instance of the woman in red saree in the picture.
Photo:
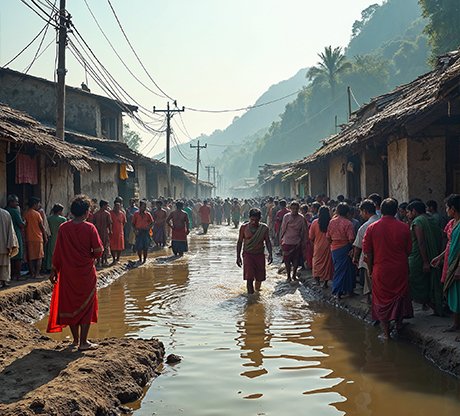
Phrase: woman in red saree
(74, 298)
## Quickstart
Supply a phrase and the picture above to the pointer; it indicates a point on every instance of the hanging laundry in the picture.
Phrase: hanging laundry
(26, 169)
(123, 171)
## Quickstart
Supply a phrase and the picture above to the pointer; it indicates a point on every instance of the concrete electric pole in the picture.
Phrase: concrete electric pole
(198, 147)
(169, 113)
(61, 72)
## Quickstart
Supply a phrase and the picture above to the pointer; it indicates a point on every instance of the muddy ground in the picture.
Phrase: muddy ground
(42, 376)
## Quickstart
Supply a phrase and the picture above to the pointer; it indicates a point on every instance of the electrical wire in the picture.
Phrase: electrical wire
(135, 53)
(354, 98)
(27, 46)
(108, 77)
(40, 44)
(36, 12)
(243, 108)
(118, 55)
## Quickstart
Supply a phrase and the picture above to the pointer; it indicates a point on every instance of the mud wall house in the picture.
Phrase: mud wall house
(34, 163)
(404, 144)
(86, 113)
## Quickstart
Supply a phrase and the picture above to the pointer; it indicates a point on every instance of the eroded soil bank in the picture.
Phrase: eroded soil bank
(42, 376)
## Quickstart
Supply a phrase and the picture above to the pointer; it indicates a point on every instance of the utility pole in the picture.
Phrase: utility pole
(61, 71)
(349, 102)
(213, 175)
(198, 147)
(169, 114)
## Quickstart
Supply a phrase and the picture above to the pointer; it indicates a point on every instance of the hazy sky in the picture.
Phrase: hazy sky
(211, 54)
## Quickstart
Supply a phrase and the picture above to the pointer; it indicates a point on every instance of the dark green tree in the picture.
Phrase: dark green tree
(131, 138)
(443, 28)
(332, 64)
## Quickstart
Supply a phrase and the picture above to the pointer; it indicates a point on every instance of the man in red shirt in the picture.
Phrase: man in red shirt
(205, 216)
(142, 222)
(386, 246)
(103, 222)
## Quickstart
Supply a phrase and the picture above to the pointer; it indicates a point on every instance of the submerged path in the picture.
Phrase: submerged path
(280, 353)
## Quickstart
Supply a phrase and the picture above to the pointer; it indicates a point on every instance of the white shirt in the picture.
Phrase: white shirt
(360, 236)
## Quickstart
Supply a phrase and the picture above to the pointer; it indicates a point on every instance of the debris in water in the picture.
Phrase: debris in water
(173, 358)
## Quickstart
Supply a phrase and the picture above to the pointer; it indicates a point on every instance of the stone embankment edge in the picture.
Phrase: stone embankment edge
(114, 374)
(426, 332)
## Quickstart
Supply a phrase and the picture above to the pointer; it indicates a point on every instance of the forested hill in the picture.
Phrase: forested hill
(387, 47)
(246, 125)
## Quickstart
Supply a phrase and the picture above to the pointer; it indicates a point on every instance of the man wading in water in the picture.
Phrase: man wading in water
(253, 235)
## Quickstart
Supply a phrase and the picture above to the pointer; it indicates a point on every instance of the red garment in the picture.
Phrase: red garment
(142, 221)
(205, 214)
(102, 221)
(26, 169)
(254, 267)
(117, 239)
(279, 218)
(340, 231)
(74, 298)
(389, 241)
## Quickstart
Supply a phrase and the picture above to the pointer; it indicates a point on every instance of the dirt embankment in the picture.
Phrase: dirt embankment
(41, 376)
(424, 330)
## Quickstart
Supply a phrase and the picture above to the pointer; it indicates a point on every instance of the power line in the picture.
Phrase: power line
(27, 46)
(118, 55)
(36, 12)
(243, 108)
(135, 53)
(40, 44)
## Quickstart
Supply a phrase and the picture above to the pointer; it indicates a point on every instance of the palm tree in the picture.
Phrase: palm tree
(332, 64)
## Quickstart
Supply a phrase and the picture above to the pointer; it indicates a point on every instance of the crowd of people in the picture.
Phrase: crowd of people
(397, 253)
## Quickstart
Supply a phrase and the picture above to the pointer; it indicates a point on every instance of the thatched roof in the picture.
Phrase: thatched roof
(403, 112)
(19, 128)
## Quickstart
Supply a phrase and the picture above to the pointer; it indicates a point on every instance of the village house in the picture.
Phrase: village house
(106, 168)
(404, 144)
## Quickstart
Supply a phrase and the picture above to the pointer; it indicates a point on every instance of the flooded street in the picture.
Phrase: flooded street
(277, 354)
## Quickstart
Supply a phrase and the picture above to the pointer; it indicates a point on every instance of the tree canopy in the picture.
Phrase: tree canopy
(443, 28)
(131, 138)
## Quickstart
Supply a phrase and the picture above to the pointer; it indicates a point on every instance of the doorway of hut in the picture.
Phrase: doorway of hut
(22, 178)
(353, 169)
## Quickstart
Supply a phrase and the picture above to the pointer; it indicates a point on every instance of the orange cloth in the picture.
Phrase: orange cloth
(33, 220)
(322, 258)
(35, 250)
(117, 239)
(74, 298)
(123, 172)
(142, 221)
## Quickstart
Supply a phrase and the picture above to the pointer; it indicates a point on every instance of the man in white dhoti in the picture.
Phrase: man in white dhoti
(9, 246)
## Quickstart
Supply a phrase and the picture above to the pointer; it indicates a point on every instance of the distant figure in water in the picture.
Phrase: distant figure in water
(142, 222)
(74, 298)
(179, 223)
(253, 238)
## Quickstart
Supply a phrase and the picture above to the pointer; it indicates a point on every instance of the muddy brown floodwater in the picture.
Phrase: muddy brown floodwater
(279, 354)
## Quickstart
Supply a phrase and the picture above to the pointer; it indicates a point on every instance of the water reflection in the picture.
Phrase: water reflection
(255, 336)
(278, 354)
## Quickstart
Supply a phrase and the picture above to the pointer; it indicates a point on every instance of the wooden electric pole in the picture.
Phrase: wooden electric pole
(169, 113)
(349, 103)
(61, 71)
(198, 147)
